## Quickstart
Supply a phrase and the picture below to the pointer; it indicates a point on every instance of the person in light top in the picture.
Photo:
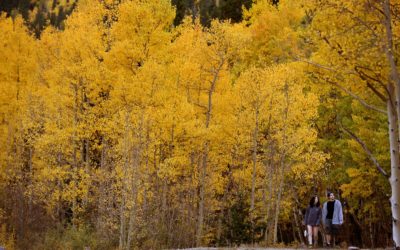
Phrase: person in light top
(332, 218)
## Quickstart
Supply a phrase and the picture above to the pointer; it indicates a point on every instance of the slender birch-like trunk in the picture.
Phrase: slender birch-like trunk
(253, 177)
(135, 176)
(30, 181)
(395, 167)
(126, 149)
(203, 174)
(282, 163)
(267, 221)
(371, 231)
(278, 199)
(101, 203)
(133, 210)
(268, 173)
(200, 221)
(75, 150)
(297, 224)
(394, 126)
(85, 159)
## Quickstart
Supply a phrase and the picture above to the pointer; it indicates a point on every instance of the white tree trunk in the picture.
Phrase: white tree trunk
(253, 178)
(278, 199)
(203, 173)
(282, 162)
(267, 215)
(394, 126)
(395, 168)
(122, 219)
(199, 234)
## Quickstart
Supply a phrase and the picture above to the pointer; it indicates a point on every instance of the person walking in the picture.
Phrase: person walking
(332, 218)
(312, 221)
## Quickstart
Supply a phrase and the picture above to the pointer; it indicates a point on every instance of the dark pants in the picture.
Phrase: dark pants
(331, 229)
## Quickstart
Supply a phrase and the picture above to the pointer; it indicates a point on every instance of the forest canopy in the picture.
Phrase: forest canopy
(158, 124)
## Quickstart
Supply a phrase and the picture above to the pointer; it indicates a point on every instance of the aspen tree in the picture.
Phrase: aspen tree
(362, 68)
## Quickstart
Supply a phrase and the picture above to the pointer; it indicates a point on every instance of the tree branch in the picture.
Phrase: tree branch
(324, 67)
(359, 99)
(364, 146)
(379, 94)
(364, 76)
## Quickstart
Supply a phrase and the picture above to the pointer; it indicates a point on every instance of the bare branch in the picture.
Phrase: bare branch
(200, 105)
(379, 94)
(359, 99)
(364, 146)
(324, 67)
(360, 21)
(359, 69)
(370, 85)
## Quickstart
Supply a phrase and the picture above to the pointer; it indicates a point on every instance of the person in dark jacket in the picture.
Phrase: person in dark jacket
(312, 220)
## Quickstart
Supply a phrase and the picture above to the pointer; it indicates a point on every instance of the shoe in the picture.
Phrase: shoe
(310, 246)
(328, 245)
